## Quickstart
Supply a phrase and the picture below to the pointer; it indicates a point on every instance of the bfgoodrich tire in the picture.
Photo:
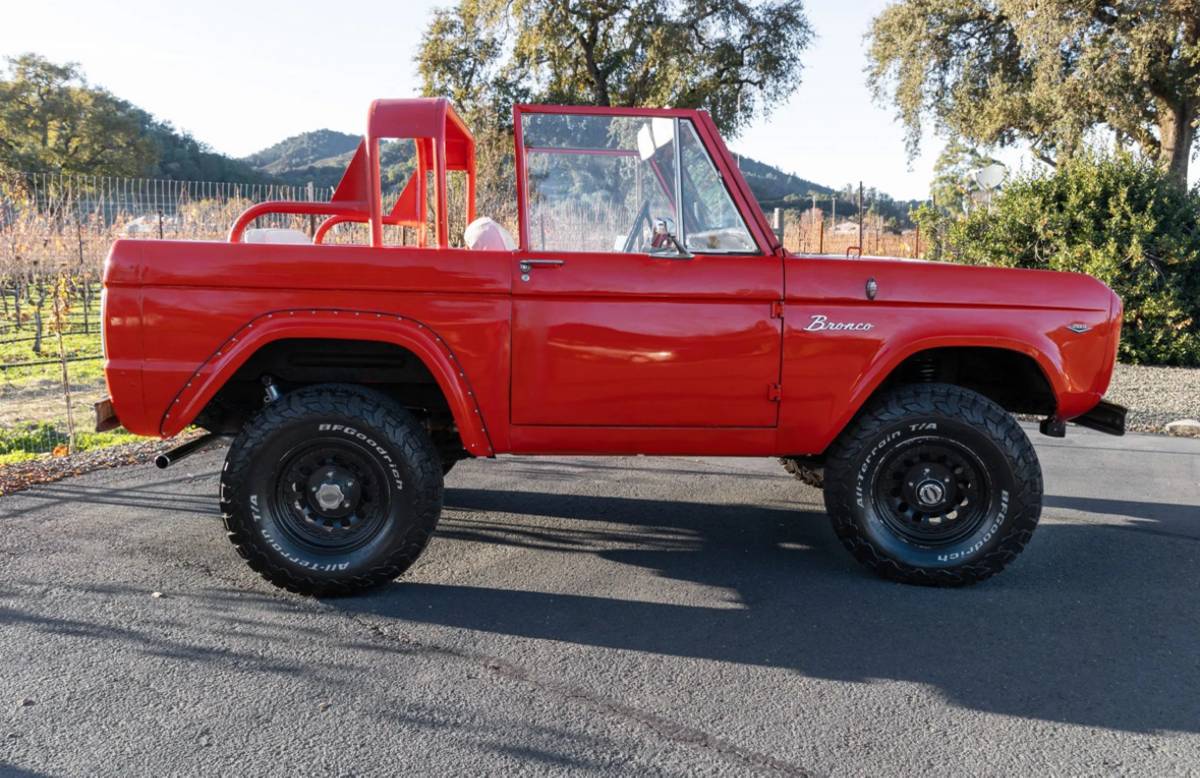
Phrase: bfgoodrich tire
(934, 484)
(330, 490)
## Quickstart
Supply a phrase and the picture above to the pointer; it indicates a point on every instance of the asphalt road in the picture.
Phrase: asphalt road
(622, 616)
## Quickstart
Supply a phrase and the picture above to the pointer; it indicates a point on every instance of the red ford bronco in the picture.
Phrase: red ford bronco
(644, 307)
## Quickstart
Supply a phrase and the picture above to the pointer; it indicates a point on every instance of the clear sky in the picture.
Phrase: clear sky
(242, 75)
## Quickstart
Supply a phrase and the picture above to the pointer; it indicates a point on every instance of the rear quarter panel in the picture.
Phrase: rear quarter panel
(186, 299)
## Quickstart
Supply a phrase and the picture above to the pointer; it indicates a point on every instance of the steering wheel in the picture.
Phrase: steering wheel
(635, 232)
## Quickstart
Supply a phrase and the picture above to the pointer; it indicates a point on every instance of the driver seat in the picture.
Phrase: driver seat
(484, 234)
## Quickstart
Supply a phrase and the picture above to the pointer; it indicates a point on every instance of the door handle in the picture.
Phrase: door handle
(527, 265)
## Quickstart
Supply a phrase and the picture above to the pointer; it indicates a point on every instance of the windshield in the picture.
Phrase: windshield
(600, 183)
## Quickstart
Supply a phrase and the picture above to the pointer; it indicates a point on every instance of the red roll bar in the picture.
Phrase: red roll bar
(443, 144)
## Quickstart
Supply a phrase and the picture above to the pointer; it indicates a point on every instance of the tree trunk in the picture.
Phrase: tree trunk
(1177, 130)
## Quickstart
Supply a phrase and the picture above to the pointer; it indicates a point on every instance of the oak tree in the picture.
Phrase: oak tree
(732, 57)
(1052, 73)
(51, 119)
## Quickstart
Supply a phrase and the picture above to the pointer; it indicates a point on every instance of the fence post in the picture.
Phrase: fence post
(312, 219)
(60, 322)
(860, 218)
(83, 272)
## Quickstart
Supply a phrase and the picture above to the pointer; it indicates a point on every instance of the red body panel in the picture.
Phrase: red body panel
(604, 353)
(630, 340)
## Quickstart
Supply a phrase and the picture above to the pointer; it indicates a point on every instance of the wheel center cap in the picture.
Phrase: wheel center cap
(930, 493)
(333, 492)
(329, 496)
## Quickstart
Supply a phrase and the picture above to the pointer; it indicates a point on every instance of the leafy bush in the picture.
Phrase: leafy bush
(31, 438)
(1112, 217)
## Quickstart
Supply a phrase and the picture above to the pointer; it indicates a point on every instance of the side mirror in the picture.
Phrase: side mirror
(664, 243)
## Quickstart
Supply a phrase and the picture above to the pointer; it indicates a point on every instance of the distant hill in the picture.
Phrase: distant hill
(319, 148)
(774, 188)
(319, 156)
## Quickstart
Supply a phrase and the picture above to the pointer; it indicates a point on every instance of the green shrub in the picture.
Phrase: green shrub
(1112, 217)
(31, 438)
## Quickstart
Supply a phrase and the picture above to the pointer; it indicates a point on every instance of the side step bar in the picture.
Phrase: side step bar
(1105, 417)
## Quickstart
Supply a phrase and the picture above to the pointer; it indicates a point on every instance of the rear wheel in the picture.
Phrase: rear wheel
(934, 484)
(331, 489)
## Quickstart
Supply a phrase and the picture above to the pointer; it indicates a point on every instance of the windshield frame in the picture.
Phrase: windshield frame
(748, 210)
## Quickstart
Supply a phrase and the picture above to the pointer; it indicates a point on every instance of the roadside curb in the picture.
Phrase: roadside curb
(1184, 428)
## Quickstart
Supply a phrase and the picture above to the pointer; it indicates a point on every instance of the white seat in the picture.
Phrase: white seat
(484, 234)
(275, 235)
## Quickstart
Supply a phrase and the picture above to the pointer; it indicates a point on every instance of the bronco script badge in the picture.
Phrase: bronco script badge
(821, 323)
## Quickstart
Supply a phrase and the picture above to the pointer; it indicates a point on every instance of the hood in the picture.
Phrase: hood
(918, 282)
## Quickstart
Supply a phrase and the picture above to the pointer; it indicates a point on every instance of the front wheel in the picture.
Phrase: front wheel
(934, 484)
(331, 489)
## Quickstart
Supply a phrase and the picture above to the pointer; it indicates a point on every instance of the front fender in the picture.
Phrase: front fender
(1041, 349)
(335, 324)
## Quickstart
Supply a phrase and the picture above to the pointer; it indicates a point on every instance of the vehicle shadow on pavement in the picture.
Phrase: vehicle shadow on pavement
(165, 495)
(1153, 511)
(1091, 626)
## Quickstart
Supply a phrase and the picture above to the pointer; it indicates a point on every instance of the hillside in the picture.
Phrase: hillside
(774, 188)
(319, 148)
(319, 156)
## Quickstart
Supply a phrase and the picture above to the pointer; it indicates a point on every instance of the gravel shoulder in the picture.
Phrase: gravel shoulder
(1156, 396)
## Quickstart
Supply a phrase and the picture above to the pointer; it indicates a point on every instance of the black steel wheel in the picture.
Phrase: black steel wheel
(331, 489)
(932, 491)
(330, 494)
(933, 484)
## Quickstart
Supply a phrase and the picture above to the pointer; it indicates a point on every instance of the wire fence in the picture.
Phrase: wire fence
(112, 199)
